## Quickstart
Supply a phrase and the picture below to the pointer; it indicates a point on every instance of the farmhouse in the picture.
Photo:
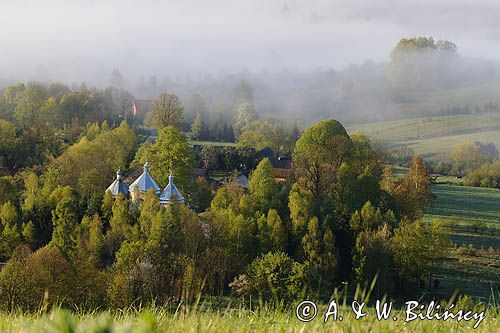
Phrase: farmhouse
(281, 165)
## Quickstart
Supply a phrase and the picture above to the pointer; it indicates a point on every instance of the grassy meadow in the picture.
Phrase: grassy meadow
(473, 214)
(434, 137)
(231, 320)
(212, 143)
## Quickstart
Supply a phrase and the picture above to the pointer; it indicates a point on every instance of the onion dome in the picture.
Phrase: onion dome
(145, 182)
(171, 193)
(118, 186)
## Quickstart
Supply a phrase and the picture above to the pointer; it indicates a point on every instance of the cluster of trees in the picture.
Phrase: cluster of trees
(37, 121)
(405, 86)
(259, 134)
(342, 217)
(247, 127)
(428, 63)
(201, 131)
(470, 156)
(86, 167)
(476, 162)
(227, 159)
(487, 175)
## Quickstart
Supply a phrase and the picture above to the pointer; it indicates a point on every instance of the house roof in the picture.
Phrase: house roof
(171, 192)
(242, 181)
(118, 186)
(145, 182)
(281, 163)
(266, 152)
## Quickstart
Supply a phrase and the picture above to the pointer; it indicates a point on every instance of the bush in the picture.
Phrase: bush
(29, 279)
(469, 250)
(274, 277)
(488, 175)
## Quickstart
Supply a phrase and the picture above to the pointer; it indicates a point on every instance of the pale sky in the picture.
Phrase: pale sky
(77, 40)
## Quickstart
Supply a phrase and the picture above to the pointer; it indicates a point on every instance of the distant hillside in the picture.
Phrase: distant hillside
(434, 137)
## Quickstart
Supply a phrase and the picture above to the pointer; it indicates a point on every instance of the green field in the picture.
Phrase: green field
(473, 214)
(212, 143)
(434, 137)
(232, 320)
(466, 208)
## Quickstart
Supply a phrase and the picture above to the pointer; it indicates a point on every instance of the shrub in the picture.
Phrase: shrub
(274, 277)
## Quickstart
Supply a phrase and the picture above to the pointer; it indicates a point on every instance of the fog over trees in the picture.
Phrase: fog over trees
(309, 59)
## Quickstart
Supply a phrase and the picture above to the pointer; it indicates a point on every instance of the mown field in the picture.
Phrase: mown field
(473, 215)
(231, 320)
(212, 143)
(434, 137)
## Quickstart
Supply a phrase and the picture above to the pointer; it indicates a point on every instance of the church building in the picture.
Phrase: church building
(118, 186)
(144, 183)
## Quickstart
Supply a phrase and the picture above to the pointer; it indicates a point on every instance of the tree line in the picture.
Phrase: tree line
(341, 217)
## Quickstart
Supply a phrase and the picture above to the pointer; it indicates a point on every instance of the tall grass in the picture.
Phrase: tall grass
(203, 316)
(226, 320)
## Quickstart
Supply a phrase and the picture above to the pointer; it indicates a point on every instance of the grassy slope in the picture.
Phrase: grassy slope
(434, 137)
(463, 208)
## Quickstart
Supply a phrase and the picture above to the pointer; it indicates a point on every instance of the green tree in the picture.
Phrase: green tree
(121, 221)
(228, 133)
(470, 156)
(197, 128)
(170, 152)
(277, 231)
(8, 145)
(312, 241)
(107, 206)
(149, 209)
(8, 214)
(373, 257)
(9, 241)
(8, 190)
(28, 105)
(245, 115)
(96, 239)
(29, 234)
(318, 154)
(65, 219)
(410, 251)
(413, 192)
(262, 187)
(329, 256)
(165, 230)
(202, 194)
(439, 245)
(420, 63)
(300, 204)
(166, 110)
(256, 134)
(91, 165)
(15, 282)
(270, 275)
